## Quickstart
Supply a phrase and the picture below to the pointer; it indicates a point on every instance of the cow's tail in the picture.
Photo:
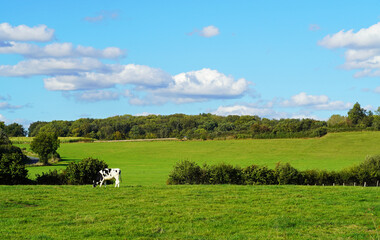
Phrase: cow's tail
(120, 175)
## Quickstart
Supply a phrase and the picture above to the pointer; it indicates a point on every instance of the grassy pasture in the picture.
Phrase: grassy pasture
(149, 163)
(189, 212)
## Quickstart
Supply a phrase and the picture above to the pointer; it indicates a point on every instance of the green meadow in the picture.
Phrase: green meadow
(189, 212)
(145, 208)
(149, 163)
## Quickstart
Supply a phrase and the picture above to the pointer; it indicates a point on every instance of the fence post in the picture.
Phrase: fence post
(377, 183)
(354, 184)
(365, 184)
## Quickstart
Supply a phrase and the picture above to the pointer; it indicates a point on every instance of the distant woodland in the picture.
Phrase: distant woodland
(202, 126)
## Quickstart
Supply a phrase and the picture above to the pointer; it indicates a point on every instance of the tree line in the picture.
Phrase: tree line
(202, 126)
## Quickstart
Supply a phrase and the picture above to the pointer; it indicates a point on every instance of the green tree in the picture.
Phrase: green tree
(356, 114)
(45, 144)
(15, 130)
(4, 140)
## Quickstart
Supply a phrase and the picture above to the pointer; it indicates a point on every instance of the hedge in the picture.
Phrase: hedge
(187, 172)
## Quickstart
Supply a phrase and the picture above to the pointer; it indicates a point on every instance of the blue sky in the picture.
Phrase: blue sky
(276, 59)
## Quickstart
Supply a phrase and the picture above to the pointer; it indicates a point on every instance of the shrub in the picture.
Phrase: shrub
(84, 172)
(368, 171)
(185, 172)
(286, 174)
(12, 169)
(225, 174)
(258, 175)
(51, 178)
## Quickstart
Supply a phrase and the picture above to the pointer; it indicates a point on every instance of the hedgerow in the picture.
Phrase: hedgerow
(187, 172)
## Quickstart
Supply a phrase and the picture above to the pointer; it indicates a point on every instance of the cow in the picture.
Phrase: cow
(108, 174)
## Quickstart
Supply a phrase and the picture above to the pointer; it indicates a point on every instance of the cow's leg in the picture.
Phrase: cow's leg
(117, 183)
(101, 183)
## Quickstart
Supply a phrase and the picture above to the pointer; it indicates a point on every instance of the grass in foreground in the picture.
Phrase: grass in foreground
(189, 212)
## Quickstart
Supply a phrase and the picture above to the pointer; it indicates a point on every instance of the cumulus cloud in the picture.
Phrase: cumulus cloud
(362, 49)
(321, 102)
(209, 31)
(196, 86)
(205, 83)
(138, 75)
(25, 33)
(160, 86)
(364, 38)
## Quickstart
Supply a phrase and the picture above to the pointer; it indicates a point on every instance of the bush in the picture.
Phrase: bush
(84, 172)
(51, 178)
(190, 173)
(259, 175)
(286, 174)
(12, 169)
(185, 172)
(225, 174)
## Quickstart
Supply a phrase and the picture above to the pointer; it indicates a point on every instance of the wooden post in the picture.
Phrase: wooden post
(365, 184)
(377, 183)
(333, 184)
(354, 184)
(343, 184)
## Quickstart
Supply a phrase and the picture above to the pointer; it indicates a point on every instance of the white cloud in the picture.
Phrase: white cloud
(161, 87)
(195, 86)
(321, 102)
(302, 99)
(51, 66)
(209, 31)
(59, 50)
(362, 49)
(24, 33)
(139, 75)
(205, 83)
(364, 38)
(263, 112)
(244, 110)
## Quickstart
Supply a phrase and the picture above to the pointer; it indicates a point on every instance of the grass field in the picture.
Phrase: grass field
(189, 212)
(145, 208)
(149, 163)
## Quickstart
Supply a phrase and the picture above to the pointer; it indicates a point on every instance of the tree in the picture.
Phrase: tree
(15, 130)
(45, 144)
(4, 140)
(356, 114)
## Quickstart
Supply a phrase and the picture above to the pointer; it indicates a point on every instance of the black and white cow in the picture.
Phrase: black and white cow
(108, 174)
